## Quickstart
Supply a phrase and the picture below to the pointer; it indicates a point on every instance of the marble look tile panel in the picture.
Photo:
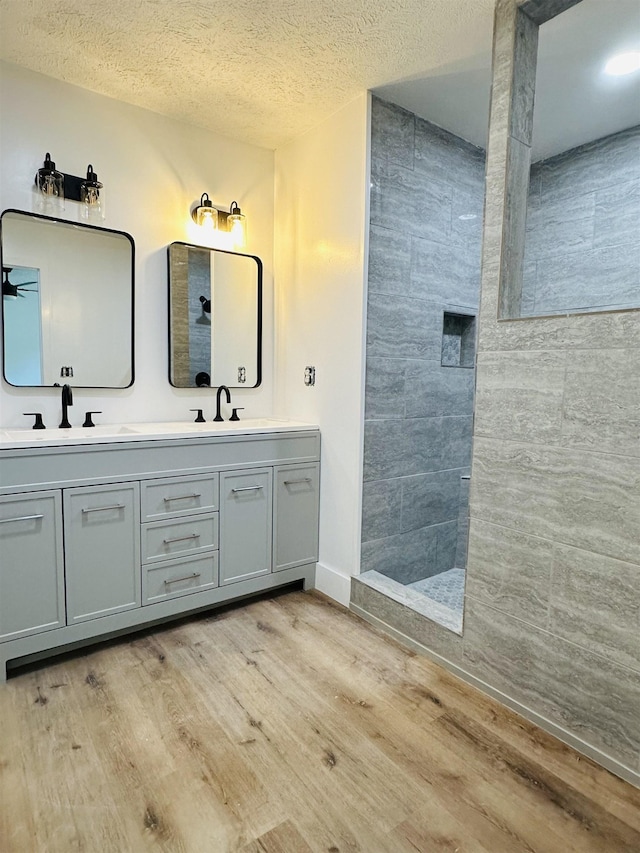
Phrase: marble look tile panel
(432, 390)
(524, 79)
(599, 165)
(466, 232)
(402, 328)
(588, 279)
(390, 262)
(446, 546)
(529, 278)
(595, 603)
(463, 525)
(559, 227)
(407, 621)
(541, 11)
(617, 214)
(510, 570)
(601, 408)
(519, 395)
(392, 133)
(517, 183)
(385, 387)
(443, 274)
(405, 557)
(430, 499)
(441, 155)
(574, 497)
(381, 507)
(423, 204)
(400, 448)
(585, 693)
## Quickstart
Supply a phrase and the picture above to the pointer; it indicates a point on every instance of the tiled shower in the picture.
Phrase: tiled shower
(427, 190)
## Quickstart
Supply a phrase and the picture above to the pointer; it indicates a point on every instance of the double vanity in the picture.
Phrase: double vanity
(113, 528)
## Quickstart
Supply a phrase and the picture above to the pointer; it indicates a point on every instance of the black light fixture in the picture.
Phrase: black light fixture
(54, 188)
(205, 214)
(234, 222)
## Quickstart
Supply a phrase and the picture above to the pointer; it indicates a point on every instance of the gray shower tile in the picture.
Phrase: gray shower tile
(558, 227)
(447, 543)
(402, 197)
(463, 526)
(381, 507)
(616, 215)
(385, 388)
(529, 278)
(443, 274)
(519, 395)
(442, 156)
(574, 688)
(390, 262)
(600, 409)
(392, 133)
(510, 570)
(401, 328)
(406, 557)
(580, 498)
(429, 499)
(386, 452)
(466, 224)
(432, 390)
(594, 603)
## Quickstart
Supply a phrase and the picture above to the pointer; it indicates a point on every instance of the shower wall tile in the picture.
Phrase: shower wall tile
(430, 499)
(432, 390)
(381, 507)
(447, 545)
(385, 388)
(399, 195)
(520, 395)
(571, 686)
(580, 498)
(601, 410)
(510, 571)
(463, 523)
(443, 274)
(402, 328)
(466, 233)
(616, 214)
(560, 227)
(406, 557)
(594, 603)
(439, 155)
(392, 133)
(390, 262)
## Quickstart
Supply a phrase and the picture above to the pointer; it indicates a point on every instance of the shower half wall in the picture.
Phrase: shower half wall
(427, 189)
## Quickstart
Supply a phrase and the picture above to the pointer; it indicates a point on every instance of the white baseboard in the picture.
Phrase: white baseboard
(334, 584)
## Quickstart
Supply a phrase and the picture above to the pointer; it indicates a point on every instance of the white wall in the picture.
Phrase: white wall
(320, 239)
(153, 169)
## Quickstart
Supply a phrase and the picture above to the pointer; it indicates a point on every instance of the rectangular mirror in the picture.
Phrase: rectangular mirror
(215, 318)
(67, 303)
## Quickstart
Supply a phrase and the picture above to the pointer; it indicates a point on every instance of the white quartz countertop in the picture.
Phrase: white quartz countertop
(12, 439)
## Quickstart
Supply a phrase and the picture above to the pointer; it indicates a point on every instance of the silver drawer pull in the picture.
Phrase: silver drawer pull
(102, 508)
(183, 578)
(21, 518)
(181, 538)
(296, 482)
(182, 498)
(247, 489)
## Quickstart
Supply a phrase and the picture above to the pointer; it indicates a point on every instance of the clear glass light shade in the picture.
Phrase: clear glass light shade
(205, 214)
(49, 188)
(237, 226)
(92, 197)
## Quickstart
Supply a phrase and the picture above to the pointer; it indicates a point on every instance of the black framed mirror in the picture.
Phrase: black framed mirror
(67, 303)
(215, 318)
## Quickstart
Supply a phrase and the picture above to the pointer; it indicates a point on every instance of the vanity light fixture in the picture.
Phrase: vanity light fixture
(234, 222)
(623, 63)
(54, 187)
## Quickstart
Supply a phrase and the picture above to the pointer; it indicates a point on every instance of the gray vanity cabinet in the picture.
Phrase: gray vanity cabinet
(295, 513)
(245, 524)
(102, 547)
(31, 564)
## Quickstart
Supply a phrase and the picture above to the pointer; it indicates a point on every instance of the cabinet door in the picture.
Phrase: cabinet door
(245, 524)
(102, 545)
(295, 516)
(31, 564)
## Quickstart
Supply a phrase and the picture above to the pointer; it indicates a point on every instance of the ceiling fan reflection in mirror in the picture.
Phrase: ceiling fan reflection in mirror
(12, 291)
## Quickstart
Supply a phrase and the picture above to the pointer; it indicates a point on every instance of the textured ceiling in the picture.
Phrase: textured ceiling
(263, 71)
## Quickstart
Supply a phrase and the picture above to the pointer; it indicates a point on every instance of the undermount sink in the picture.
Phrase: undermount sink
(105, 433)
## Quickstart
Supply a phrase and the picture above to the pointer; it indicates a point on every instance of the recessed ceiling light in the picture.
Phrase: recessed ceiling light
(623, 63)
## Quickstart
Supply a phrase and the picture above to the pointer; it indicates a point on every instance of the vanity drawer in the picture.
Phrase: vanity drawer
(173, 496)
(162, 540)
(174, 578)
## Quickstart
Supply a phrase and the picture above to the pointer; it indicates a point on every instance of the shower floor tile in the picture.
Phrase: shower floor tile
(446, 588)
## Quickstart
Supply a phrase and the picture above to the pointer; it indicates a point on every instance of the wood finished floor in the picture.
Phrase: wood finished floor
(287, 725)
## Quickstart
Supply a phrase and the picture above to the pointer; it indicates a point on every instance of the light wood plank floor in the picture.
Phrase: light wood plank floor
(287, 725)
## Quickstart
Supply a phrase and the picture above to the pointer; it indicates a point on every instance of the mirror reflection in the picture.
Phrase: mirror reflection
(582, 249)
(215, 317)
(67, 303)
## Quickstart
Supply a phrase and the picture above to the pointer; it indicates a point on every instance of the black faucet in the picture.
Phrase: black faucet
(67, 400)
(222, 388)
